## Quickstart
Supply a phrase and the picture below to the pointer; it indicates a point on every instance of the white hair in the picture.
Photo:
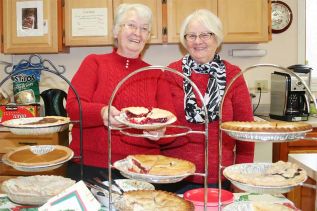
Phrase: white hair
(208, 19)
(142, 11)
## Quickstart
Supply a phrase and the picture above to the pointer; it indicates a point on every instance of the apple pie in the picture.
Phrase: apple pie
(159, 165)
(142, 115)
(266, 126)
(155, 200)
(278, 174)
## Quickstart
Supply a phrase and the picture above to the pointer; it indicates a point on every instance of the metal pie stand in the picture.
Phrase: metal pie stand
(185, 131)
(259, 137)
(52, 69)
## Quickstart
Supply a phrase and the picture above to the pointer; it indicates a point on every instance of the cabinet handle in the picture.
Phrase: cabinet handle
(27, 143)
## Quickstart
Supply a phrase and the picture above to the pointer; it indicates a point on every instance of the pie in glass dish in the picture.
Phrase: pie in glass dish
(146, 118)
(146, 200)
(31, 157)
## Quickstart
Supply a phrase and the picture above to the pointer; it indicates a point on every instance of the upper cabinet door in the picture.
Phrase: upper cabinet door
(245, 20)
(178, 10)
(156, 7)
(31, 26)
(88, 22)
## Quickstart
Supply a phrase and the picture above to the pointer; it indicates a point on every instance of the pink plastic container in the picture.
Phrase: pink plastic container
(197, 197)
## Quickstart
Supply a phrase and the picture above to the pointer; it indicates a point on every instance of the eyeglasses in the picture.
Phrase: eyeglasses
(132, 27)
(203, 36)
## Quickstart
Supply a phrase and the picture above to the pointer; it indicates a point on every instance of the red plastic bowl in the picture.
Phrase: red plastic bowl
(197, 197)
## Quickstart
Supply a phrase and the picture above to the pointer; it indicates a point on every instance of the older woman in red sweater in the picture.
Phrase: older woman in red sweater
(95, 81)
(201, 34)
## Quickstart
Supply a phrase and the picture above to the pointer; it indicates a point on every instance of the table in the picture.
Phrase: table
(308, 162)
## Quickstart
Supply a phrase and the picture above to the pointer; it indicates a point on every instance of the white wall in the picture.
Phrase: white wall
(282, 50)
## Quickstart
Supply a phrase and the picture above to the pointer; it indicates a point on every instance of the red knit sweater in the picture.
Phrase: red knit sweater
(237, 106)
(95, 81)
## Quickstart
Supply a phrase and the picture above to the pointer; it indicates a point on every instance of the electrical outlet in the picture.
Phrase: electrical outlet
(261, 84)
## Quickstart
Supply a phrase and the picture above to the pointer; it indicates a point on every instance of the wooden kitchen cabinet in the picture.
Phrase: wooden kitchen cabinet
(79, 31)
(11, 141)
(32, 26)
(178, 10)
(246, 21)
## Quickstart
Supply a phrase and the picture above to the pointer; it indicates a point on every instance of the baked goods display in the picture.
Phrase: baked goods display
(35, 190)
(145, 200)
(38, 158)
(266, 126)
(37, 125)
(277, 175)
(146, 118)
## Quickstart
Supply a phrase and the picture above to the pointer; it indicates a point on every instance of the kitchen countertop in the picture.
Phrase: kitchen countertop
(311, 120)
(306, 161)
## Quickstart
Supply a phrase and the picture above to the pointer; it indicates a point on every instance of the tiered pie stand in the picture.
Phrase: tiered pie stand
(52, 69)
(259, 137)
(185, 131)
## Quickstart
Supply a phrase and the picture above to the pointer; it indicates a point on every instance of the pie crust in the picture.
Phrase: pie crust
(160, 165)
(40, 155)
(145, 200)
(266, 126)
(279, 174)
(142, 115)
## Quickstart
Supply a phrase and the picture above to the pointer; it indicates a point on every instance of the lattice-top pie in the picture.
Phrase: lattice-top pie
(142, 115)
(154, 200)
(159, 165)
(266, 126)
(275, 175)
(38, 155)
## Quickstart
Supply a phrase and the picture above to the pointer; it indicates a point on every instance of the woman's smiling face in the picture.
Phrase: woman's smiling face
(133, 35)
(201, 49)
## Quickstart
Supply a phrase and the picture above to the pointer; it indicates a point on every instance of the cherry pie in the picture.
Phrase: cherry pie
(159, 165)
(142, 115)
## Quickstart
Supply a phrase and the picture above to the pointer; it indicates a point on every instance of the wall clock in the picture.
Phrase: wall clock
(282, 16)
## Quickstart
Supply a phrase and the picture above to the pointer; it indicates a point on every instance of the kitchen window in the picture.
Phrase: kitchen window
(309, 7)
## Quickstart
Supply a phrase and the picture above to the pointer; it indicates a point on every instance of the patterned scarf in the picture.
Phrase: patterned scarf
(214, 93)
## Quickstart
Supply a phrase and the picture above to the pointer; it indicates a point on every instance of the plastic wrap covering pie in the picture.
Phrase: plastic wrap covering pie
(37, 125)
(259, 206)
(155, 168)
(279, 174)
(146, 118)
(145, 200)
(38, 158)
(35, 190)
(266, 126)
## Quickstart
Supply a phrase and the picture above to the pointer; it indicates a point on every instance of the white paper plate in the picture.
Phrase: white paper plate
(123, 165)
(122, 119)
(256, 168)
(17, 126)
(246, 206)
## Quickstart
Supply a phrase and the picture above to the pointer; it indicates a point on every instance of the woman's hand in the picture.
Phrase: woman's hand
(154, 135)
(113, 112)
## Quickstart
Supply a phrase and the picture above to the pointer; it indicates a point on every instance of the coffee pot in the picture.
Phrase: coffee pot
(54, 102)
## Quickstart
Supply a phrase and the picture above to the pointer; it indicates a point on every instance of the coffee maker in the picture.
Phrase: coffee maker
(289, 101)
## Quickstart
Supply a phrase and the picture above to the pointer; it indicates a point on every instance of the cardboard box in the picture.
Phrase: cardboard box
(8, 112)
